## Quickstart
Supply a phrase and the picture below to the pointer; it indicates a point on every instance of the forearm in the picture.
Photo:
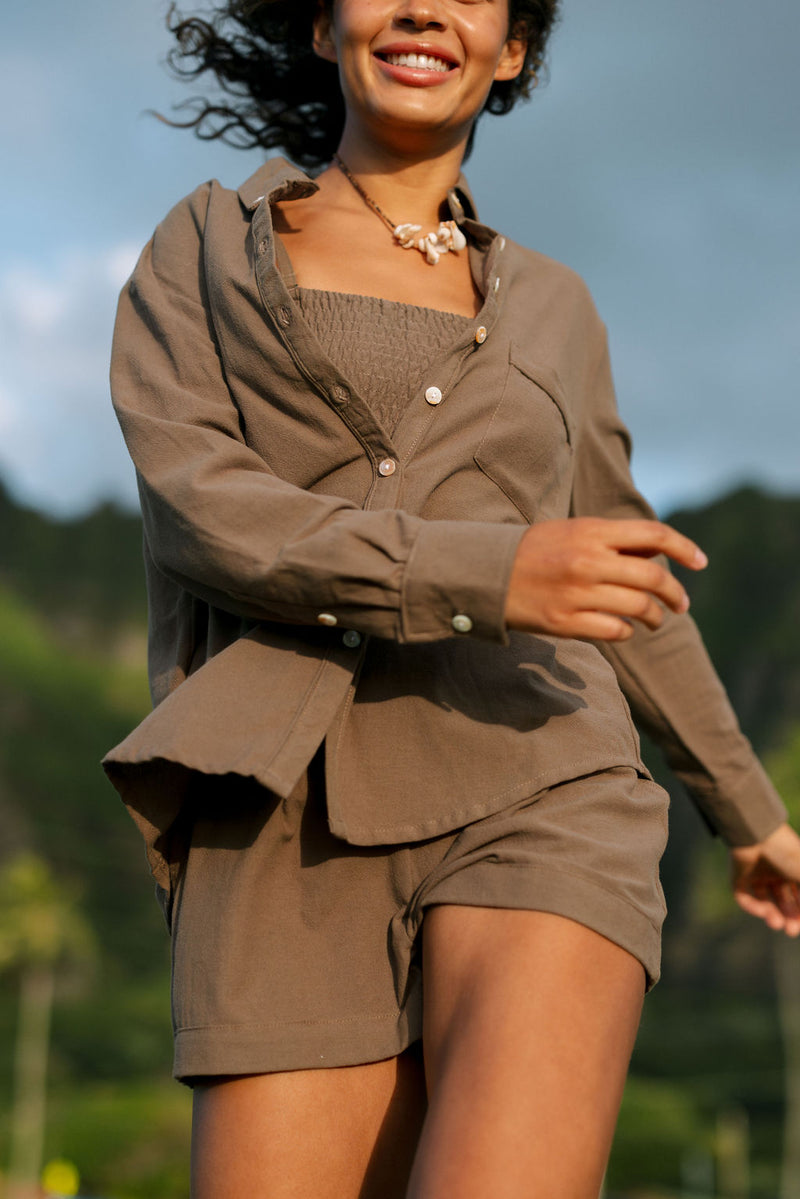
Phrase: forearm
(263, 549)
(677, 698)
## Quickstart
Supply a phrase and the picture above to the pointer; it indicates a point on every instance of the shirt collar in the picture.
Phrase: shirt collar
(279, 179)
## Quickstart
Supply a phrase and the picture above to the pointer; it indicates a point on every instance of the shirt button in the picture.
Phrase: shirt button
(462, 623)
(497, 283)
(481, 335)
(284, 316)
(351, 639)
(502, 243)
(433, 395)
(339, 394)
(387, 467)
(327, 618)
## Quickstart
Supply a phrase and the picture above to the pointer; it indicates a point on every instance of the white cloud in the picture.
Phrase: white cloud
(60, 446)
(120, 262)
(38, 304)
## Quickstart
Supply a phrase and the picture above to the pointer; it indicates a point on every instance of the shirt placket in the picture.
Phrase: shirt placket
(388, 454)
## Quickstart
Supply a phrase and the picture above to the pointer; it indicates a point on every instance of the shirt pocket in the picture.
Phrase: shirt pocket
(527, 447)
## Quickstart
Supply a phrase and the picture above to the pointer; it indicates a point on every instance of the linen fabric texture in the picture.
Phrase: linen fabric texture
(293, 950)
(272, 497)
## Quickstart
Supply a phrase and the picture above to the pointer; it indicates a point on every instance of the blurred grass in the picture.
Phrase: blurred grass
(131, 1140)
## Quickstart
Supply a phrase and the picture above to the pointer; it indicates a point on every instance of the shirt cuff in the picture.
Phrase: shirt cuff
(456, 581)
(747, 814)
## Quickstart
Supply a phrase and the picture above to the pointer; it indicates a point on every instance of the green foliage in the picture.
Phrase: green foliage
(747, 602)
(659, 1122)
(85, 575)
(40, 922)
(784, 769)
(130, 1141)
(60, 710)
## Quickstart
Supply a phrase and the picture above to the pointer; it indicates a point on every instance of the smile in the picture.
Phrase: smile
(418, 62)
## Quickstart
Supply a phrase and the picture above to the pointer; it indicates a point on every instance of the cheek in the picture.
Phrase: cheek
(487, 39)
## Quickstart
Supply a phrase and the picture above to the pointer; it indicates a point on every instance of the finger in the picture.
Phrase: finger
(579, 626)
(763, 909)
(649, 537)
(626, 602)
(785, 896)
(643, 575)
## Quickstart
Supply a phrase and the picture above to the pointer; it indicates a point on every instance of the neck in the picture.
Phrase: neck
(408, 186)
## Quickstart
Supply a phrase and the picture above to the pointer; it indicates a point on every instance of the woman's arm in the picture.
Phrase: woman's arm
(663, 668)
(228, 529)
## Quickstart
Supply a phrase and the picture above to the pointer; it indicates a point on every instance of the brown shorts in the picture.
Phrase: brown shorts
(293, 949)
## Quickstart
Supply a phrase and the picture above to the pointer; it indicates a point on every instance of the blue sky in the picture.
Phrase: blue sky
(661, 160)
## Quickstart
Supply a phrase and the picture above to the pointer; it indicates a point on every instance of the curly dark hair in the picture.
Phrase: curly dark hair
(279, 94)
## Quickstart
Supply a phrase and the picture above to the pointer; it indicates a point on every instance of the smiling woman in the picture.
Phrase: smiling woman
(399, 577)
(278, 95)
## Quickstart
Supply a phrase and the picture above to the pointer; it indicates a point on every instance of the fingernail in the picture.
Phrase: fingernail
(700, 559)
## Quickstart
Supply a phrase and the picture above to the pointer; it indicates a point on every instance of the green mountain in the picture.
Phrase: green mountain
(83, 575)
(747, 603)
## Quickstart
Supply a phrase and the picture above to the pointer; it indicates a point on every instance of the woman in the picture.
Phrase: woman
(391, 793)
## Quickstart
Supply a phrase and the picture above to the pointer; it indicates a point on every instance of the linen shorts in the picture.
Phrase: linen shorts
(292, 949)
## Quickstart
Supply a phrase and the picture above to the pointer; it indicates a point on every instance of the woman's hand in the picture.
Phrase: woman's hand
(589, 577)
(766, 880)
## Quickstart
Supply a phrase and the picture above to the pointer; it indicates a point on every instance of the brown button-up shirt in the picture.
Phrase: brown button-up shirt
(312, 577)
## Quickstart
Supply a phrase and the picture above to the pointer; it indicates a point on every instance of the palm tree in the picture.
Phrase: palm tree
(784, 767)
(41, 930)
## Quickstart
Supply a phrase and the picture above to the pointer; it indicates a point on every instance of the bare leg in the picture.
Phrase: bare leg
(345, 1133)
(530, 1020)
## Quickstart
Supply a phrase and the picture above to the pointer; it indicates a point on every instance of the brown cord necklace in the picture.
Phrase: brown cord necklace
(448, 238)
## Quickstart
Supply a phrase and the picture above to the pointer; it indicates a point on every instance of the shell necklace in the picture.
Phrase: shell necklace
(448, 238)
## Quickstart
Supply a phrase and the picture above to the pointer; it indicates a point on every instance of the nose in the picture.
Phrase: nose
(420, 14)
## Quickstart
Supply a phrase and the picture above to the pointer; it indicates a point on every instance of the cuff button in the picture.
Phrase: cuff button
(462, 623)
(327, 618)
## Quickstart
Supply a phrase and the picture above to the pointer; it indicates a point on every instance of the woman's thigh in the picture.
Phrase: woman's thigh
(347, 1133)
(529, 1023)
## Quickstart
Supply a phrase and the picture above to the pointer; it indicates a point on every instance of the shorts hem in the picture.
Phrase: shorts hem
(308, 1045)
(563, 893)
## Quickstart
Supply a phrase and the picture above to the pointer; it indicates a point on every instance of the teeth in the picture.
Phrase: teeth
(421, 62)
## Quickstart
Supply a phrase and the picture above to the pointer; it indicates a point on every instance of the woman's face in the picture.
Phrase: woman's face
(418, 64)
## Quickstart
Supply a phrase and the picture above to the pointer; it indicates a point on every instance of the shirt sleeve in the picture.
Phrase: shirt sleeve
(226, 528)
(666, 674)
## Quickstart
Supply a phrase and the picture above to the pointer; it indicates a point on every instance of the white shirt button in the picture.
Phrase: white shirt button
(481, 335)
(351, 639)
(433, 395)
(497, 283)
(462, 623)
(502, 243)
(387, 467)
(327, 618)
